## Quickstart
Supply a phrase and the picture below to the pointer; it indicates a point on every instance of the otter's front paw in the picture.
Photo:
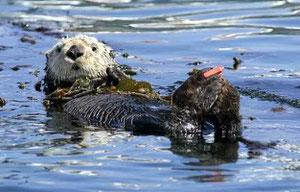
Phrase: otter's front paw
(112, 77)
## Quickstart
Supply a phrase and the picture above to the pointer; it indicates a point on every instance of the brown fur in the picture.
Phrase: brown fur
(213, 99)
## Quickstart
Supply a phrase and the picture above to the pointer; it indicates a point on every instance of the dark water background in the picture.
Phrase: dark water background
(45, 151)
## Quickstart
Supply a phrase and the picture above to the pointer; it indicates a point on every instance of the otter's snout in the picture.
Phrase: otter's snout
(74, 52)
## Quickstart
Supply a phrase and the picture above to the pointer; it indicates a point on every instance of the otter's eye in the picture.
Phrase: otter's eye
(94, 49)
(58, 49)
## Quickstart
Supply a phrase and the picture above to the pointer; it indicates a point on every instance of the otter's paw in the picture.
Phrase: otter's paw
(112, 77)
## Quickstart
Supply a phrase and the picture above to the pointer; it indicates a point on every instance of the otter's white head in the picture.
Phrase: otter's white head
(77, 57)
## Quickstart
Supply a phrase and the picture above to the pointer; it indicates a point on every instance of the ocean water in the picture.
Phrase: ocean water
(44, 150)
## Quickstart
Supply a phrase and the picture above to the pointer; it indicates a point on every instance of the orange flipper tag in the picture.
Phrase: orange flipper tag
(216, 70)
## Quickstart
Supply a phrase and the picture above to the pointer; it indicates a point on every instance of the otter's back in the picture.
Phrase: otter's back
(121, 111)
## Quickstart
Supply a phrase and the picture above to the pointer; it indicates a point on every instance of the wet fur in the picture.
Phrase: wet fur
(61, 71)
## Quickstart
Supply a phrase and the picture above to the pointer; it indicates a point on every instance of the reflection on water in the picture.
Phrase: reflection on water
(206, 150)
(47, 151)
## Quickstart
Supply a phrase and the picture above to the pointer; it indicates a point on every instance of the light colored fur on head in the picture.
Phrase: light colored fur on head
(92, 64)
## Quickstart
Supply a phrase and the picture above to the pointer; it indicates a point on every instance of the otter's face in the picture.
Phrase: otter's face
(78, 57)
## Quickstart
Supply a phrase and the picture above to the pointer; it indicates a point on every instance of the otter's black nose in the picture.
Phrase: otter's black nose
(74, 52)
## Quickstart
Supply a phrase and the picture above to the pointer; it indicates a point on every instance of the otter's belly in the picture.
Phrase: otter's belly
(136, 114)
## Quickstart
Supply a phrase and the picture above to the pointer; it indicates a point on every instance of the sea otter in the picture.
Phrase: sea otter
(199, 99)
(74, 58)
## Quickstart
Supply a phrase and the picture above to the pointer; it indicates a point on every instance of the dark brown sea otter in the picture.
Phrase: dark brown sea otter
(198, 100)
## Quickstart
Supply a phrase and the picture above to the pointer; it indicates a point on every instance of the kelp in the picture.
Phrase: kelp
(126, 86)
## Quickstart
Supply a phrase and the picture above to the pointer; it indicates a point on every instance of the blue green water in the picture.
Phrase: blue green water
(44, 150)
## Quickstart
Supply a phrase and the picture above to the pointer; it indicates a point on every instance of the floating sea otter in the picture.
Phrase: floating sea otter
(205, 96)
(74, 58)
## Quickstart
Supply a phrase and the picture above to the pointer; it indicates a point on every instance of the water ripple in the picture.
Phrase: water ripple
(126, 15)
(45, 150)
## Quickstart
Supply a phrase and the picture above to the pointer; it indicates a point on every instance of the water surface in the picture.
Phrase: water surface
(42, 150)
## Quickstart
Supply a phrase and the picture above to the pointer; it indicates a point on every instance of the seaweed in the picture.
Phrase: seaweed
(126, 86)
